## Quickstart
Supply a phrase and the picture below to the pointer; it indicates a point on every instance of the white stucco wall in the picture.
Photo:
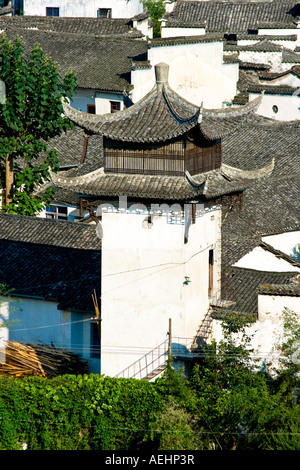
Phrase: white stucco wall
(286, 242)
(260, 259)
(103, 101)
(269, 327)
(288, 106)
(81, 98)
(280, 32)
(267, 332)
(100, 99)
(143, 275)
(167, 32)
(84, 8)
(274, 59)
(289, 44)
(289, 80)
(197, 73)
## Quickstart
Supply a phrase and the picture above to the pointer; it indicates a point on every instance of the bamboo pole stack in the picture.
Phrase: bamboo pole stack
(23, 360)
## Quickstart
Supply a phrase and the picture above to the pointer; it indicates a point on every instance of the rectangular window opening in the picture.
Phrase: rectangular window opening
(56, 212)
(115, 106)
(104, 13)
(91, 108)
(52, 11)
(210, 272)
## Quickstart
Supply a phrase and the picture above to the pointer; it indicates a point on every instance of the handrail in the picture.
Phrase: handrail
(141, 367)
(154, 359)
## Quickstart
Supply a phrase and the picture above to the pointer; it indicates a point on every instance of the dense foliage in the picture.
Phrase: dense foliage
(226, 403)
(31, 115)
(156, 9)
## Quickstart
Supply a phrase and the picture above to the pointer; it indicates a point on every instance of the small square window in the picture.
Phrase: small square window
(50, 11)
(104, 13)
(115, 106)
(91, 108)
(56, 212)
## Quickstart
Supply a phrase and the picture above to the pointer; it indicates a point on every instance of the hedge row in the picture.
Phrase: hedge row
(76, 413)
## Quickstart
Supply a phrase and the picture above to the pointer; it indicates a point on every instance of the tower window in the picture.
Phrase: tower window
(210, 272)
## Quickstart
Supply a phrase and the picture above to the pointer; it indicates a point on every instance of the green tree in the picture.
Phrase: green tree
(31, 115)
(156, 9)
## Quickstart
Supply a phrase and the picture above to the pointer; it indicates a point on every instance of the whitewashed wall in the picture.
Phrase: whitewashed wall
(280, 32)
(287, 242)
(143, 275)
(103, 101)
(84, 8)
(81, 98)
(289, 79)
(197, 73)
(260, 259)
(167, 32)
(288, 106)
(274, 59)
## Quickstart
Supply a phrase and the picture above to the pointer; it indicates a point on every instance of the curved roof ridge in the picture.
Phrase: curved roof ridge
(235, 110)
(183, 102)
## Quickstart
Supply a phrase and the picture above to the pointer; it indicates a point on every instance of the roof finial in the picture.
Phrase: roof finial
(161, 73)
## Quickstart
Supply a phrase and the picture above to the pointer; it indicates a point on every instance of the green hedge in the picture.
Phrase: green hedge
(76, 413)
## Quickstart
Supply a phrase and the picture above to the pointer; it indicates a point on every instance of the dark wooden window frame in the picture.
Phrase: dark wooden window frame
(210, 273)
(104, 13)
(115, 106)
(51, 10)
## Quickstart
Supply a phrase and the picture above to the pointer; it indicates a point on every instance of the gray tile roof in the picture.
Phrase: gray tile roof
(166, 188)
(272, 205)
(267, 75)
(264, 45)
(102, 63)
(290, 57)
(48, 232)
(290, 290)
(272, 89)
(159, 116)
(81, 26)
(234, 17)
(242, 285)
(65, 275)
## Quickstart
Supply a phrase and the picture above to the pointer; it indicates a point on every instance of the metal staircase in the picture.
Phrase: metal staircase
(203, 332)
(149, 366)
(153, 363)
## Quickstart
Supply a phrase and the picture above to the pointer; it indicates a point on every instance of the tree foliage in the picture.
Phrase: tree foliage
(31, 115)
(156, 9)
(227, 403)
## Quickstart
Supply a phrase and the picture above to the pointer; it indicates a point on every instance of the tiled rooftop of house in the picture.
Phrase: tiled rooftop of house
(48, 232)
(242, 285)
(101, 63)
(67, 276)
(81, 26)
(234, 17)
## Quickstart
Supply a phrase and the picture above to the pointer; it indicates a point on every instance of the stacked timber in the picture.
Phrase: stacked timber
(23, 360)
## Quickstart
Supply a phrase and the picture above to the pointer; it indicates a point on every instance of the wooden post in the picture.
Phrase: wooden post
(98, 316)
(9, 178)
(170, 341)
